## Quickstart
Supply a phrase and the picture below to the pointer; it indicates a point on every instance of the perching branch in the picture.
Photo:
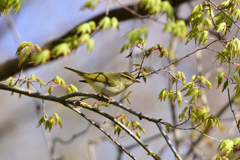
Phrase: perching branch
(70, 103)
(103, 131)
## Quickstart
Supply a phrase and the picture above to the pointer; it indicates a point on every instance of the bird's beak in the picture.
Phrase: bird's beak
(136, 81)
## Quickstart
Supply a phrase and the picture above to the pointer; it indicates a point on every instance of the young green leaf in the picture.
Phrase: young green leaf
(220, 78)
(50, 89)
(209, 85)
(167, 8)
(237, 14)
(225, 85)
(128, 124)
(167, 127)
(207, 22)
(68, 90)
(62, 48)
(124, 47)
(115, 23)
(41, 57)
(28, 85)
(236, 78)
(122, 120)
(58, 119)
(84, 28)
(90, 44)
(74, 89)
(105, 23)
(138, 134)
(42, 120)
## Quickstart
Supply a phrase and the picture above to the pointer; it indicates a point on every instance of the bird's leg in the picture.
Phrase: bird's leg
(110, 98)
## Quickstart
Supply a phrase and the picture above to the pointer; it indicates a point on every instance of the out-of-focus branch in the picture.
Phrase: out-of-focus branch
(11, 66)
(171, 58)
(13, 29)
(57, 139)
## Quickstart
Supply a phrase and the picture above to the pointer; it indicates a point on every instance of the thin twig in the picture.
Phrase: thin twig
(107, 8)
(217, 8)
(219, 113)
(64, 100)
(174, 62)
(232, 110)
(13, 29)
(48, 138)
(57, 139)
(131, 11)
(228, 90)
(113, 120)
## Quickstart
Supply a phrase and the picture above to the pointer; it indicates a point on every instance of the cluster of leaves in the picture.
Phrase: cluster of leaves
(29, 82)
(199, 115)
(230, 6)
(227, 146)
(176, 28)
(199, 25)
(60, 82)
(157, 6)
(91, 4)
(191, 88)
(222, 21)
(135, 38)
(171, 95)
(82, 36)
(24, 51)
(11, 81)
(50, 121)
(107, 22)
(194, 90)
(7, 5)
(133, 125)
(231, 51)
(234, 80)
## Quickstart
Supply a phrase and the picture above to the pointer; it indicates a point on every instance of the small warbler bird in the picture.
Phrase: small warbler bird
(107, 84)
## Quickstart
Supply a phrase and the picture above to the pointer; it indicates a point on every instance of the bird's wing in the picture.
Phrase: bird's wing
(101, 77)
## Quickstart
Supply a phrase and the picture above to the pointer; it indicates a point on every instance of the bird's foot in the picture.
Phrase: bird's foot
(110, 98)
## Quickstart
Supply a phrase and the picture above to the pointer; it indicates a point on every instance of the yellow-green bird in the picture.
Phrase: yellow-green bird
(107, 84)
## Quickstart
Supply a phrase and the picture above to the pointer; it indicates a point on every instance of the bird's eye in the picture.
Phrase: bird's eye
(128, 78)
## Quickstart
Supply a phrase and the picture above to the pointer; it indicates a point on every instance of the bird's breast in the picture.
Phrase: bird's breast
(103, 88)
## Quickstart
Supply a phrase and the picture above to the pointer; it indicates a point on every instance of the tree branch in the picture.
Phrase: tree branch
(11, 66)
(70, 103)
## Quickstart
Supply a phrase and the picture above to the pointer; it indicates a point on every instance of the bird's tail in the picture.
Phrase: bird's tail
(80, 73)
